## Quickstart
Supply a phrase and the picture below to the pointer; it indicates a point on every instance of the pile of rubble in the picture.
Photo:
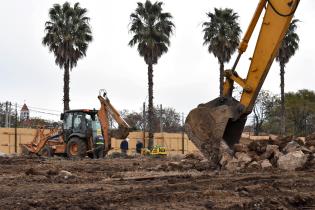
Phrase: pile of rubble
(287, 153)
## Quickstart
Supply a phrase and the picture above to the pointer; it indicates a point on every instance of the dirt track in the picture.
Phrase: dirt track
(146, 183)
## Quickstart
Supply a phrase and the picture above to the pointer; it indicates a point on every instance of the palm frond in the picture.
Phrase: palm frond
(151, 29)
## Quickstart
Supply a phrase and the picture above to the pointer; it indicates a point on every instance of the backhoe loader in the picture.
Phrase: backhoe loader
(222, 120)
(84, 132)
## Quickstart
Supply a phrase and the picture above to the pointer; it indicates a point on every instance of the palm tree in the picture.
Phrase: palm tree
(151, 29)
(288, 47)
(67, 36)
(222, 35)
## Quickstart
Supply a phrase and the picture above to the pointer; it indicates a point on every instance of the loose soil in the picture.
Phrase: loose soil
(147, 183)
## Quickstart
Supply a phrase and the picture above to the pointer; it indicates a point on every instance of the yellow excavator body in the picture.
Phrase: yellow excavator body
(224, 118)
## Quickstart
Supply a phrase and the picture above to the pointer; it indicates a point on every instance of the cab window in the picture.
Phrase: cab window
(79, 122)
(68, 121)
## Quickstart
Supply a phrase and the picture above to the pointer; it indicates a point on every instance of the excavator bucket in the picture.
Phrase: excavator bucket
(211, 123)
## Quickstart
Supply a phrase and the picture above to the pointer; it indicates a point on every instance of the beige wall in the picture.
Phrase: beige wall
(172, 141)
(7, 138)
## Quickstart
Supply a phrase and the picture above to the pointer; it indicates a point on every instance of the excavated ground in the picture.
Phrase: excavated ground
(147, 183)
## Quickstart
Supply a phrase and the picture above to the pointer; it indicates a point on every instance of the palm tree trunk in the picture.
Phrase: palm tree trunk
(221, 77)
(66, 81)
(282, 122)
(150, 111)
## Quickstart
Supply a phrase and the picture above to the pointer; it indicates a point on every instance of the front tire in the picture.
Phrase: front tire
(46, 151)
(76, 148)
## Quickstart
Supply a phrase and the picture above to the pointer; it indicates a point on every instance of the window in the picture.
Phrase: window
(68, 121)
(79, 122)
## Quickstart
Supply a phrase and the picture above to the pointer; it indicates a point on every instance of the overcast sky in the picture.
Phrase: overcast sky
(184, 77)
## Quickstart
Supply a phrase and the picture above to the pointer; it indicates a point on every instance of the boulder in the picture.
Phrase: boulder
(254, 165)
(265, 164)
(312, 148)
(253, 155)
(282, 141)
(259, 146)
(271, 150)
(305, 150)
(310, 140)
(240, 148)
(292, 160)
(238, 162)
(292, 146)
(225, 158)
(310, 137)
(243, 157)
(232, 165)
(300, 140)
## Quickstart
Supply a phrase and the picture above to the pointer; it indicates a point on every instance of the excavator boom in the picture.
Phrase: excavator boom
(224, 118)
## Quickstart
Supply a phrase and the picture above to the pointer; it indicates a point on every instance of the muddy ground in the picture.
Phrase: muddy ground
(147, 183)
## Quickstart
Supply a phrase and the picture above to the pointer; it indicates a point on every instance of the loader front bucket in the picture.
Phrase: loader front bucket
(218, 120)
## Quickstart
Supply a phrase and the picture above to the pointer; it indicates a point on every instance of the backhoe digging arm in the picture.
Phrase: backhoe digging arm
(106, 110)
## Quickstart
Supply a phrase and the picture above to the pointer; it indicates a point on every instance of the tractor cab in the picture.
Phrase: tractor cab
(82, 123)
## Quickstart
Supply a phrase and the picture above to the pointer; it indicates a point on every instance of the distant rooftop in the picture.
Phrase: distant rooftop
(24, 108)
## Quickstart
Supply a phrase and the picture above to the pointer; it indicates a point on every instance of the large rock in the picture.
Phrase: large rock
(2, 154)
(271, 150)
(243, 157)
(238, 162)
(259, 146)
(282, 141)
(292, 146)
(265, 164)
(254, 165)
(292, 160)
(233, 165)
(240, 148)
(310, 140)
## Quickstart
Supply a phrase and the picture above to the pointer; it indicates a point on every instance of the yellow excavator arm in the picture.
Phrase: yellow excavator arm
(224, 118)
(106, 110)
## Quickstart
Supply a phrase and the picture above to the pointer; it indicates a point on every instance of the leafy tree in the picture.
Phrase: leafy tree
(289, 46)
(263, 104)
(67, 36)
(169, 119)
(222, 35)
(300, 108)
(151, 29)
(134, 119)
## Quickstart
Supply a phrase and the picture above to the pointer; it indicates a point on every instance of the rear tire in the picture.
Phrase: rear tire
(46, 151)
(76, 148)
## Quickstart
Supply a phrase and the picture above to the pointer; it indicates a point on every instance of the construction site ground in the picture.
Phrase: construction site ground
(147, 183)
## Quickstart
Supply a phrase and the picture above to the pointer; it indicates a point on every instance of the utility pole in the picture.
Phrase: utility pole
(6, 115)
(144, 124)
(10, 114)
(183, 134)
(15, 130)
(161, 115)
